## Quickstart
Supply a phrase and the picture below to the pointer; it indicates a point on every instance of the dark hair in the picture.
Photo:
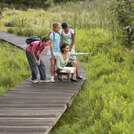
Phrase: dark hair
(62, 47)
(64, 25)
(45, 38)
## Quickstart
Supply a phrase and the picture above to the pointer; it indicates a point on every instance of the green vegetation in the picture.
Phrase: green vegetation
(105, 104)
(124, 10)
(39, 22)
(30, 3)
(13, 66)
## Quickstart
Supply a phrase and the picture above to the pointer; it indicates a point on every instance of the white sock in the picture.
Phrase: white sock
(52, 77)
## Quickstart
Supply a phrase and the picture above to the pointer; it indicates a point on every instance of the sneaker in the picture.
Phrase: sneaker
(52, 80)
(44, 81)
(66, 77)
(35, 81)
(60, 79)
(80, 77)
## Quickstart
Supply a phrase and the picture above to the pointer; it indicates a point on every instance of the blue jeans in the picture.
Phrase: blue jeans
(33, 66)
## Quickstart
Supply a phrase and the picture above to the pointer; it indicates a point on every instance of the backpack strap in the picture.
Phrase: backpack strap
(53, 34)
(38, 44)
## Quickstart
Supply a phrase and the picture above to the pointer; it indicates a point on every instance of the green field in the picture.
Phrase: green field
(105, 103)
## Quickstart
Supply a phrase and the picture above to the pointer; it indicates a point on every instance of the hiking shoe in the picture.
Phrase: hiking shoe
(44, 81)
(35, 81)
(80, 77)
(66, 77)
(60, 79)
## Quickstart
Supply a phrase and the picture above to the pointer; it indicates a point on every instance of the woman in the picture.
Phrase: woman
(63, 61)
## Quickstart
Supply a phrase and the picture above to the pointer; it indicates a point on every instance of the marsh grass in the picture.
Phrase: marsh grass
(13, 66)
(80, 15)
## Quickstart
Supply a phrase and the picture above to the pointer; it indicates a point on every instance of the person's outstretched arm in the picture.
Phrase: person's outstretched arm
(79, 54)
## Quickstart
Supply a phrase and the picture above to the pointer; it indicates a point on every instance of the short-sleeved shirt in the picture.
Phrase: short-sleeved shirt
(67, 38)
(56, 41)
(34, 45)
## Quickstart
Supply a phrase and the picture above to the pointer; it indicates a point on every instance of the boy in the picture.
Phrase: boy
(33, 54)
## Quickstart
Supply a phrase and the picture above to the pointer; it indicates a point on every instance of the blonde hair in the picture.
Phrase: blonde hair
(56, 24)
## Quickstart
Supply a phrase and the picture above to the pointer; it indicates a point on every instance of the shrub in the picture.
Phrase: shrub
(123, 10)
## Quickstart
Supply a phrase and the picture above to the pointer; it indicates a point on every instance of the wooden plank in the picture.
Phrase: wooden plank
(32, 108)
(37, 98)
(31, 101)
(35, 108)
(26, 122)
(9, 132)
(53, 87)
(29, 113)
(33, 129)
(59, 83)
(40, 95)
(31, 105)
(27, 90)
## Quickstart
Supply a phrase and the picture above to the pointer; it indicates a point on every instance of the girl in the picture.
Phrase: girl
(63, 60)
(68, 37)
(54, 48)
(34, 58)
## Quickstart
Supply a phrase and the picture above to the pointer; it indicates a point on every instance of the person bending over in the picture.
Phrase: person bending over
(33, 54)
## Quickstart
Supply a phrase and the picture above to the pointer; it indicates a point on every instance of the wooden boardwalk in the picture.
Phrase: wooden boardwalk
(34, 108)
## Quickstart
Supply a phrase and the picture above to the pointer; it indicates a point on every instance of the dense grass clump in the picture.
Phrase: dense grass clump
(13, 66)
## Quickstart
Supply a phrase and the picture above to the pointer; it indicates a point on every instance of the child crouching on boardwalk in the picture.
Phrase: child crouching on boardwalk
(63, 61)
(33, 54)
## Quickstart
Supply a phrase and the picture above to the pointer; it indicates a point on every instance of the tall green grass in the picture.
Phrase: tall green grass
(81, 15)
(13, 66)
